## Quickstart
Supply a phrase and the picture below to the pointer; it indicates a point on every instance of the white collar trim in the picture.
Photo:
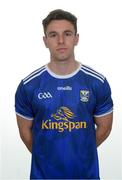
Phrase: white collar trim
(63, 76)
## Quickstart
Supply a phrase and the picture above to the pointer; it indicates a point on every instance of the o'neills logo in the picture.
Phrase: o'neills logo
(66, 88)
(62, 121)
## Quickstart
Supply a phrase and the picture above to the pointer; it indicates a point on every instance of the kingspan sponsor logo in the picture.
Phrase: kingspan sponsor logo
(61, 121)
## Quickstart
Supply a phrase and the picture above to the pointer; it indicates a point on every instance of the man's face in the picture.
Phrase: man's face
(60, 39)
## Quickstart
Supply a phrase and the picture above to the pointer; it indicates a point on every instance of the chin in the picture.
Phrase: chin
(63, 58)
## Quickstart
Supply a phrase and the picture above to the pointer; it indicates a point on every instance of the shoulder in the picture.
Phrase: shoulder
(92, 74)
(97, 81)
(32, 81)
(33, 77)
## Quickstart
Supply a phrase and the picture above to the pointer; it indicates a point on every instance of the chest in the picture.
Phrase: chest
(72, 94)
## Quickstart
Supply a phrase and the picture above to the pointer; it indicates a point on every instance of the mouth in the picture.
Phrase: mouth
(61, 49)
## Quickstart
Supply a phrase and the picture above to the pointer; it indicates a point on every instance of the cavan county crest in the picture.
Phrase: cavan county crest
(84, 95)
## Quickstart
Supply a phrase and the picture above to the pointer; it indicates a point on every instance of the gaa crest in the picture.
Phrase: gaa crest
(84, 95)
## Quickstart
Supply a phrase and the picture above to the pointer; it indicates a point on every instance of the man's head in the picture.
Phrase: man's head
(60, 28)
(59, 14)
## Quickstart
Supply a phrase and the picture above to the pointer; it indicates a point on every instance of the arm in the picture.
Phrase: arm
(104, 126)
(25, 130)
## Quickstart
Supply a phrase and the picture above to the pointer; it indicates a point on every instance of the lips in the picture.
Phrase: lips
(61, 49)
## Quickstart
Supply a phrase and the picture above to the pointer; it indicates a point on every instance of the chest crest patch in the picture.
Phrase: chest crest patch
(84, 95)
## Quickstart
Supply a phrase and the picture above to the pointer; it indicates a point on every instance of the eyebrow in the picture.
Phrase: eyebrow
(68, 31)
(53, 32)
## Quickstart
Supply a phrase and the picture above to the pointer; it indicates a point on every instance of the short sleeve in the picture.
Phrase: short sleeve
(104, 102)
(22, 105)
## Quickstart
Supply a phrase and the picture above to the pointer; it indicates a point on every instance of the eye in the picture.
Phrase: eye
(68, 33)
(52, 35)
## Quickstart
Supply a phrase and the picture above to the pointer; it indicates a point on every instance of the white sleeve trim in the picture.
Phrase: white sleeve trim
(109, 112)
(25, 117)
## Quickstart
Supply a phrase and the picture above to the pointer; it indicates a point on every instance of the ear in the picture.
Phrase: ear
(45, 41)
(76, 39)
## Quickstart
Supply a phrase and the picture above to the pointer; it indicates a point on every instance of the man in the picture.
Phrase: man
(64, 109)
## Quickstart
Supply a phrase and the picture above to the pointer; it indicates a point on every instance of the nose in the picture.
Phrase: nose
(61, 39)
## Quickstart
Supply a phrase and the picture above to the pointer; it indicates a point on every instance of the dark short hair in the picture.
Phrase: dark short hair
(59, 14)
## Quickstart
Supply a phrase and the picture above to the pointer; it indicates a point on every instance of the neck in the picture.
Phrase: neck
(63, 67)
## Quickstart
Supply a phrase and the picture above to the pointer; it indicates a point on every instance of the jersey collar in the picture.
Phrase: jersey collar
(63, 76)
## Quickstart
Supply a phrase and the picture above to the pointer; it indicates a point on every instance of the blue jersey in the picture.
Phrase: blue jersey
(62, 109)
